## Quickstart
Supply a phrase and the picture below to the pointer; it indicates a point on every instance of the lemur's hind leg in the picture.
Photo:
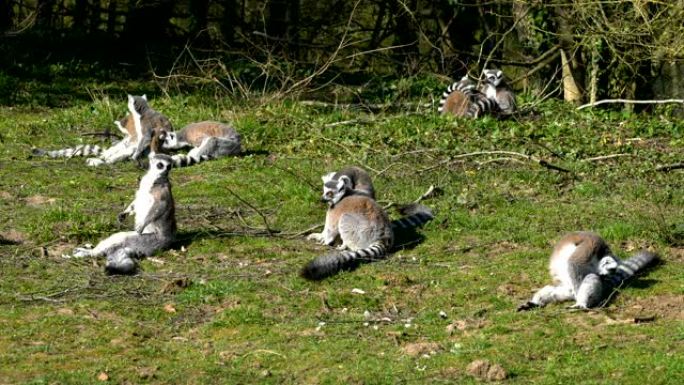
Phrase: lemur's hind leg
(106, 246)
(122, 261)
(549, 294)
(214, 147)
(590, 292)
(356, 232)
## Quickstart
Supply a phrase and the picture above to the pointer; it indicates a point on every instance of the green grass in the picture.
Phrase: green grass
(242, 314)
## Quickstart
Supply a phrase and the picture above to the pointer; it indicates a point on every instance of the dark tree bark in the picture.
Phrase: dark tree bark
(45, 13)
(111, 17)
(80, 14)
(230, 21)
(148, 20)
(6, 15)
(199, 9)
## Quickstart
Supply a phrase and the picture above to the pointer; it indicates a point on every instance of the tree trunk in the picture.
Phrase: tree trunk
(45, 13)
(571, 92)
(230, 21)
(6, 14)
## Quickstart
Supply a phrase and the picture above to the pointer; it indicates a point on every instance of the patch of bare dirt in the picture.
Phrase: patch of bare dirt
(12, 236)
(57, 250)
(485, 370)
(466, 326)
(5, 195)
(420, 348)
(668, 306)
(676, 254)
(39, 200)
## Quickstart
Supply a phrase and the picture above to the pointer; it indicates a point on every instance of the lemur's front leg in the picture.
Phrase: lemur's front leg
(327, 237)
(130, 210)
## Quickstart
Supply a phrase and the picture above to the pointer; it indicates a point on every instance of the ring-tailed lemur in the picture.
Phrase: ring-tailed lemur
(364, 229)
(155, 222)
(356, 180)
(463, 99)
(140, 122)
(585, 270)
(209, 140)
(110, 155)
(496, 89)
(148, 122)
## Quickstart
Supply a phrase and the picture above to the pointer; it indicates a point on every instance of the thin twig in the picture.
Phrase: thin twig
(303, 232)
(604, 157)
(670, 167)
(629, 101)
(263, 217)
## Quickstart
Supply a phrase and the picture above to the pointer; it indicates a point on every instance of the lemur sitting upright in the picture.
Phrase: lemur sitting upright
(363, 228)
(463, 99)
(148, 122)
(496, 89)
(584, 270)
(209, 140)
(155, 222)
(140, 122)
(356, 180)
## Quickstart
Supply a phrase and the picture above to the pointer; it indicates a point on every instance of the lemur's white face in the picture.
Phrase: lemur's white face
(170, 141)
(493, 77)
(334, 190)
(160, 164)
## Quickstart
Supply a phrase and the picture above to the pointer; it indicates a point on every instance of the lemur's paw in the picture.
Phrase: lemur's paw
(607, 265)
(577, 306)
(94, 162)
(342, 247)
(527, 306)
(318, 237)
(81, 252)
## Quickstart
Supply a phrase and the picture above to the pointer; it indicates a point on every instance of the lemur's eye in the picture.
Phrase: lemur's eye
(329, 194)
(160, 165)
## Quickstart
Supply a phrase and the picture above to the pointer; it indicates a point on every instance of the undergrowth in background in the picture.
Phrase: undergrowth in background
(226, 305)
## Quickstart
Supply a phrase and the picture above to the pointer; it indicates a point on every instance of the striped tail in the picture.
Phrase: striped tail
(445, 96)
(480, 104)
(628, 268)
(184, 160)
(327, 265)
(80, 150)
(415, 215)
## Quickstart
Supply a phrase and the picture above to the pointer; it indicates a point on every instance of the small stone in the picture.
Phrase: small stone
(357, 291)
(366, 314)
(103, 376)
(442, 314)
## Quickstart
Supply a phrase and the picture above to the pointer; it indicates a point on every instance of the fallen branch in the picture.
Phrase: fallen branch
(628, 101)
(431, 191)
(263, 217)
(604, 157)
(670, 167)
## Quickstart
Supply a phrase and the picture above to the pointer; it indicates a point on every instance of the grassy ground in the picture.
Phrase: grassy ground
(227, 306)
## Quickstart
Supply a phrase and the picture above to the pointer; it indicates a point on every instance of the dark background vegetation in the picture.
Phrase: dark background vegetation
(599, 49)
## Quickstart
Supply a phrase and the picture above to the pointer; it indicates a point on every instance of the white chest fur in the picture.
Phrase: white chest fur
(559, 264)
(138, 124)
(143, 202)
(490, 91)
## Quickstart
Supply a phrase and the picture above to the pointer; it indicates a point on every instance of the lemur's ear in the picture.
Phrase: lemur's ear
(130, 98)
(499, 73)
(328, 177)
(145, 96)
(345, 179)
